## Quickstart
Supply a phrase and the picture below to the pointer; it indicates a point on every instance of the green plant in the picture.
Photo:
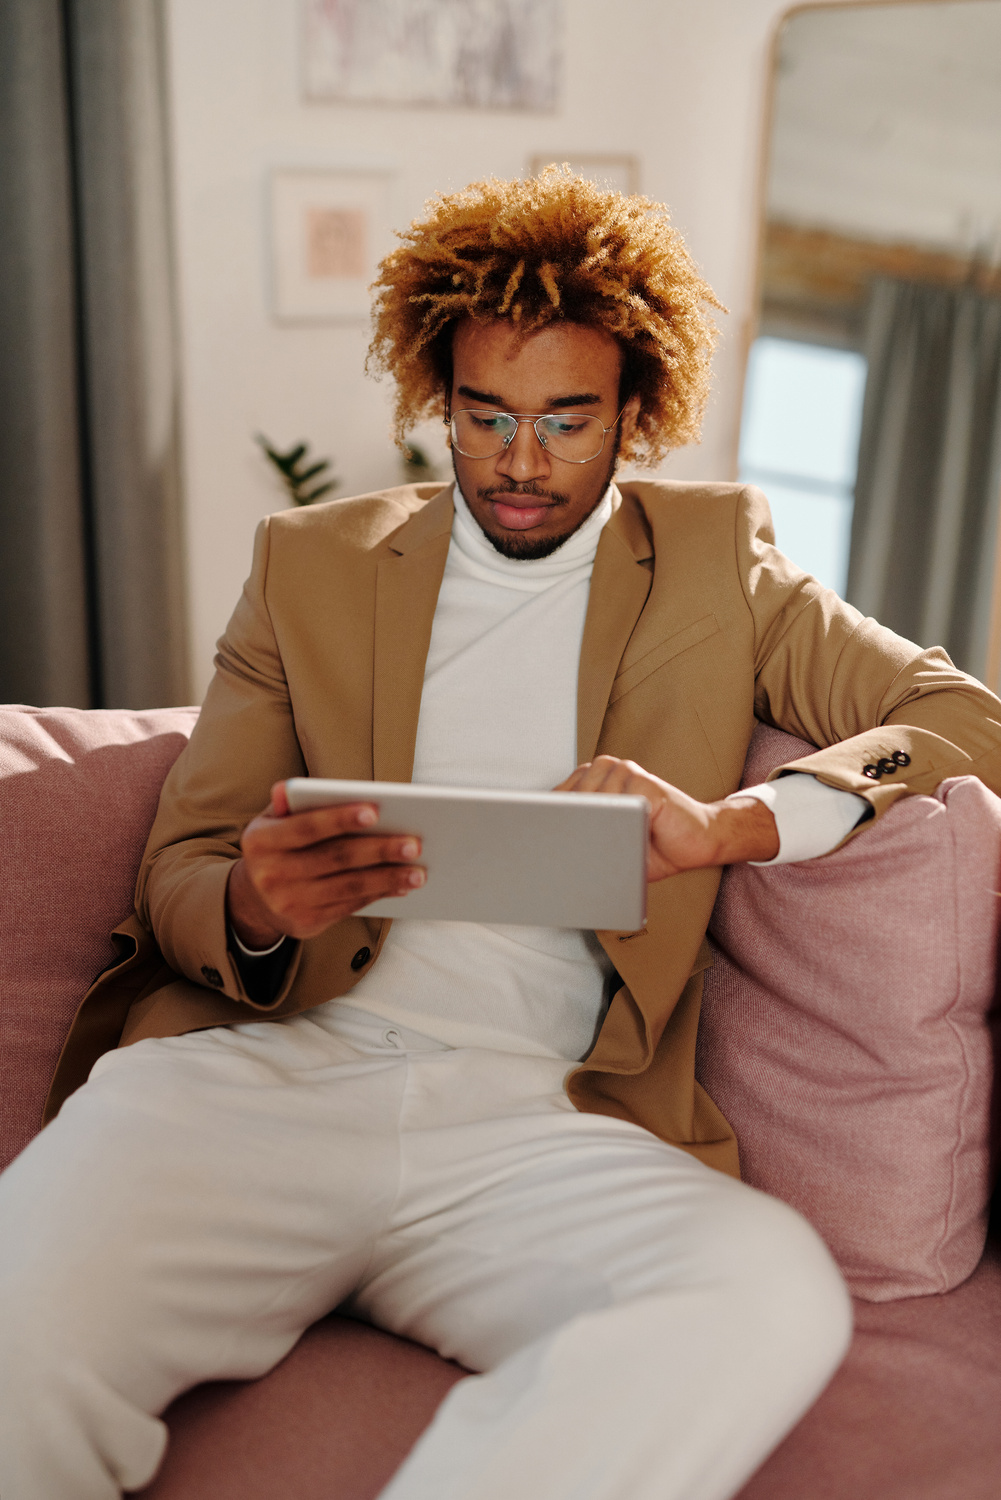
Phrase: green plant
(417, 467)
(297, 478)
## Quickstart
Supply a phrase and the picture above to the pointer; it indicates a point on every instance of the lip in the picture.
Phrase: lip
(519, 513)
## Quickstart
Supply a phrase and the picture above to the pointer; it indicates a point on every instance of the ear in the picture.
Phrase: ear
(630, 414)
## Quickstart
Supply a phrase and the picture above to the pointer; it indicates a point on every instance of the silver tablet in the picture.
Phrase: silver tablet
(538, 859)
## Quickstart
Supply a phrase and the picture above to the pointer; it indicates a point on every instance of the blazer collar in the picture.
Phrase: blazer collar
(432, 520)
(406, 592)
(620, 584)
(629, 524)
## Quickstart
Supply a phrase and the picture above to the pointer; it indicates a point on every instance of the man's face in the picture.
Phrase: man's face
(525, 500)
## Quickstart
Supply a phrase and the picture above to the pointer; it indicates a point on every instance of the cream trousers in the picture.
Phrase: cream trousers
(643, 1327)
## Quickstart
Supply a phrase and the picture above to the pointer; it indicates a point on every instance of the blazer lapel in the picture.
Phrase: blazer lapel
(620, 584)
(406, 592)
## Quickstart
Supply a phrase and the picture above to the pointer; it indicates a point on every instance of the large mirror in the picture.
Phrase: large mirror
(872, 410)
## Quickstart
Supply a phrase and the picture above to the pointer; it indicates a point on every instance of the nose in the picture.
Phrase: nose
(524, 459)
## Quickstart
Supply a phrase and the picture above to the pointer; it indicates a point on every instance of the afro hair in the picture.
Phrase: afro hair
(553, 248)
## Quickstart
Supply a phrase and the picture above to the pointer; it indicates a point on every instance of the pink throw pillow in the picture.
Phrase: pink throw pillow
(846, 1035)
(78, 792)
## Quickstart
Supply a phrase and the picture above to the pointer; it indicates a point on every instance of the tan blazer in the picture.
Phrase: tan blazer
(695, 625)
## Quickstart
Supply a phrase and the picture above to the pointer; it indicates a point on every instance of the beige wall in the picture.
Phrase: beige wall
(680, 83)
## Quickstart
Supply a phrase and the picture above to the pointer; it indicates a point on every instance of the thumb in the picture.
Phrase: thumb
(279, 801)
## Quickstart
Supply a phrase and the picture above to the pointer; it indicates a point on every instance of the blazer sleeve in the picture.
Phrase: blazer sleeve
(891, 720)
(243, 742)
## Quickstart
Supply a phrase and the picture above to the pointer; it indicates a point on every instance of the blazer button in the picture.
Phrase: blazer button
(873, 772)
(212, 977)
(361, 958)
(887, 767)
(901, 758)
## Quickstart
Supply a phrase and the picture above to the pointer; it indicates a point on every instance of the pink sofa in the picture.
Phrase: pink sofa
(846, 1033)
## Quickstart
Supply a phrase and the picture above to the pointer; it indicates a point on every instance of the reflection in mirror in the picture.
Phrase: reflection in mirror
(872, 413)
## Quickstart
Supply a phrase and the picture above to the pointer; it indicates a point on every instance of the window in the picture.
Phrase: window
(799, 442)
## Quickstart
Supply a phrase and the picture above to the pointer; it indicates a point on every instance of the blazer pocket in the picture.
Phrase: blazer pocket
(682, 640)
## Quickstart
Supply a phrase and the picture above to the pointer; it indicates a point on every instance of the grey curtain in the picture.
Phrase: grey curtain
(92, 609)
(924, 530)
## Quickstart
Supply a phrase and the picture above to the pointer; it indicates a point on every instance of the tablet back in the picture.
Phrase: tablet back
(539, 859)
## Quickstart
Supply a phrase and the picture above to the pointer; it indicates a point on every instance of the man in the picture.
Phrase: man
(489, 1139)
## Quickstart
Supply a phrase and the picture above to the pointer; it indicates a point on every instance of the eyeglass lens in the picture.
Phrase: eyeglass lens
(569, 435)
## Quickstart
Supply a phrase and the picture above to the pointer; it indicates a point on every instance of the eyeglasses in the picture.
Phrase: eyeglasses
(570, 436)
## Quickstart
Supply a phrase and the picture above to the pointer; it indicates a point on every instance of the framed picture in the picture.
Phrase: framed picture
(328, 232)
(621, 173)
(474, 54)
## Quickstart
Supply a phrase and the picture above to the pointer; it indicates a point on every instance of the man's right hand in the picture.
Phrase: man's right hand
(301, 872)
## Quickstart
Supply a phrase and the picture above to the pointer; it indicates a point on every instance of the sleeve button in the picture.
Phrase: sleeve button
(361, 958)
(887, 767)
(873, 772)
(901, 758)
(212, 977)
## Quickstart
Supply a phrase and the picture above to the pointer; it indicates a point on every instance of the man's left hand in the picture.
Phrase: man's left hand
(684, 834)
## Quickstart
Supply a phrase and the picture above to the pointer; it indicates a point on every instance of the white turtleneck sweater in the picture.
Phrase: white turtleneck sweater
(499, 709)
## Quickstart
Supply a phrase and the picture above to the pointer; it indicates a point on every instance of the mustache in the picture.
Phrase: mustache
(522, 491)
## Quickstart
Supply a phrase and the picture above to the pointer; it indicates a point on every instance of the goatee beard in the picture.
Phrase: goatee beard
(518, 545)
(522, 549)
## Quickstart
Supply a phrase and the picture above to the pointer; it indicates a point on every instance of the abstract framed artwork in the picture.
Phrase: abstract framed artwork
(328, 231)
(621, 173)
(473, 54)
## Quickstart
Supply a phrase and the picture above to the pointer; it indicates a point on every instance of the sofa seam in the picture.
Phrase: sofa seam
(960, 1138)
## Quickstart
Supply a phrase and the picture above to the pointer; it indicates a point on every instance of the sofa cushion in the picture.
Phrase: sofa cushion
(912, 1412)
(335, 1418)
(845, 1032)
(78, 791)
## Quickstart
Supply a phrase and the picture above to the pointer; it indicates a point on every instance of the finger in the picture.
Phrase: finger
(605, 774)
(300, 830)
(659, 863)
(273, 867)
(572, 782)
(279, 807)
(314, 907)
(352, 889)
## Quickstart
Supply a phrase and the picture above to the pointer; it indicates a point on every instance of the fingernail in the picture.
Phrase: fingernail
(416, 878)
(366, 816)
(410, 849)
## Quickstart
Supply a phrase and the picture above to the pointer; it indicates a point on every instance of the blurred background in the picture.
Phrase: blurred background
(194, 194)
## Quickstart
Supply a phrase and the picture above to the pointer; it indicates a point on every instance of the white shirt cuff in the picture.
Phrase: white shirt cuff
(255, 952)
(811, 818)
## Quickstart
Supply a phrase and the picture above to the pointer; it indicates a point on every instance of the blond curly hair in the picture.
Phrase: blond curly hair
(555, 247)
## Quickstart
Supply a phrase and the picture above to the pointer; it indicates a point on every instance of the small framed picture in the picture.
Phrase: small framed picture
(621, 173)
(328, 232)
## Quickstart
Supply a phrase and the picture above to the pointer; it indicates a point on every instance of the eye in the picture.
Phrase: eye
(567, 426)
(489, 421)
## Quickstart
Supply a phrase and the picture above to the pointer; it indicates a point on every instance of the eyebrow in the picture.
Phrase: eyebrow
(558, 403)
